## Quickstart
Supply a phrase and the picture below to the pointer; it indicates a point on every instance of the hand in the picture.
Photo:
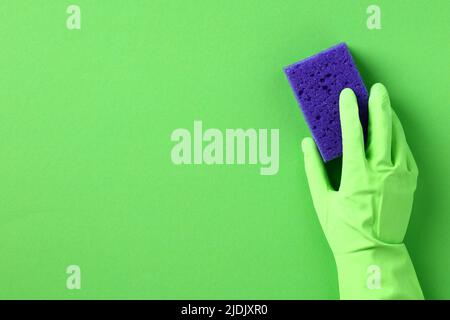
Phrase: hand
(365, 221)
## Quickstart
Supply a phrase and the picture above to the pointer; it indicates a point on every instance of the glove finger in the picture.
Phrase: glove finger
(316, 174)
(399, 145)
(353, 154)
(412, 165)
(401, 153)
(380, 127)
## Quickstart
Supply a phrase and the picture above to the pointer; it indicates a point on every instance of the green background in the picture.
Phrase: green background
(85, 121)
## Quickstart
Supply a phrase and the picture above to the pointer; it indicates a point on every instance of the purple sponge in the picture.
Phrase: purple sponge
(317, 82)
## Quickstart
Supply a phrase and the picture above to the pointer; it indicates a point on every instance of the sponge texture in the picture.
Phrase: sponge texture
(317, 83)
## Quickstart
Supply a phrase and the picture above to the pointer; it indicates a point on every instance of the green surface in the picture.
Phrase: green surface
(86, 116)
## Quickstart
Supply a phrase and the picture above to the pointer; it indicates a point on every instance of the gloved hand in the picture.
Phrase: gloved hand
(366, 220)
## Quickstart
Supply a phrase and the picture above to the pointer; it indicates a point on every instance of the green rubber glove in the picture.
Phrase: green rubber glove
(366, 220)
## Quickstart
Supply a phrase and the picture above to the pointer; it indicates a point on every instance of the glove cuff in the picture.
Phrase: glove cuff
(382, 272)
